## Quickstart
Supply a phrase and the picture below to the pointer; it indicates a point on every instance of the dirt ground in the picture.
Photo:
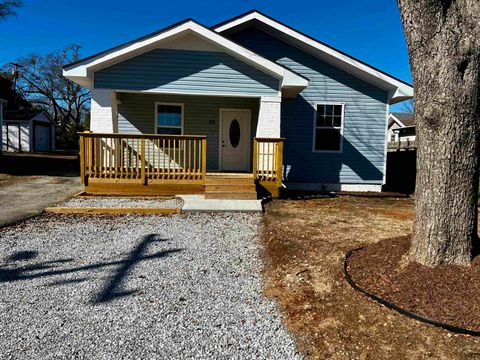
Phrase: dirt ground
(304, 246)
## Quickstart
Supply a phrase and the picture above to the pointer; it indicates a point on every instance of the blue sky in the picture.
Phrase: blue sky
(367, 29)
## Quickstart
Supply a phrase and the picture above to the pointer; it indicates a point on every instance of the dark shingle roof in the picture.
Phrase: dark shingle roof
(407, 119)
(21, 115)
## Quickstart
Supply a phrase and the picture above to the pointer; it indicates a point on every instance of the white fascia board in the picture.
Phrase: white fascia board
(394, 118)
(398, 91)
(84, 69)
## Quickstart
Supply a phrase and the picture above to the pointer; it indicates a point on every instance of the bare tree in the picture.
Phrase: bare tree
(8, 8)
(40, 80)
(443, 38)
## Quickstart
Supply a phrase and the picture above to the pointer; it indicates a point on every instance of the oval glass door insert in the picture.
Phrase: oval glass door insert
(234, 133)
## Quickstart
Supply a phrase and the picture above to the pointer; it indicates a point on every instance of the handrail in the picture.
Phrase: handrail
(140, 136)
(264, 139)
(143, 157)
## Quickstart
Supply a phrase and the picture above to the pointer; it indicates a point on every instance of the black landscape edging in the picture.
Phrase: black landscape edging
(388, 304)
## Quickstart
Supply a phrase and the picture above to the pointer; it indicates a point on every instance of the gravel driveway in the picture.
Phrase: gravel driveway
(136, 287)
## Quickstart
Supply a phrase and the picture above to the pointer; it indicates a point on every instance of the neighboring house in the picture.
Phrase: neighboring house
(401, 127)
(248, 77)
(28, 130)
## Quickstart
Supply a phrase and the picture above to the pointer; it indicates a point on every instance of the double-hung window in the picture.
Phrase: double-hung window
(169, 118)
(328, 127)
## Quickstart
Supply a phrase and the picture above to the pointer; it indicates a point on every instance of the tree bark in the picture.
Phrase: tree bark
(443, 39)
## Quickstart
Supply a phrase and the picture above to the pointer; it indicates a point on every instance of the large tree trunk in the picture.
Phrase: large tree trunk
(443, 38)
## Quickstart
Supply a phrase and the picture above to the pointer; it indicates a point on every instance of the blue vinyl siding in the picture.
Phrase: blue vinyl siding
(187, 71)
(136, 114)
(362, 159)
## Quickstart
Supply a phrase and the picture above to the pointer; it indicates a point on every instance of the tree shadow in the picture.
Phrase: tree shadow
(112, 290)
(23, 255)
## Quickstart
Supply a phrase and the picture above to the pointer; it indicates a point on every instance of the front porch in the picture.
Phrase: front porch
(152, 164)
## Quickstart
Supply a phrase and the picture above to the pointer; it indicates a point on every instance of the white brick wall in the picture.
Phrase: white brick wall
(102, 111)
(269, 117)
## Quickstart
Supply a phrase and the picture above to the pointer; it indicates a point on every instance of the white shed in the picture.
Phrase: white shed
(28, 130)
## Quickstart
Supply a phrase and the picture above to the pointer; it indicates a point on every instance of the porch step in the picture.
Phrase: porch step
(228, 181)
(230, 186)
(239, 195)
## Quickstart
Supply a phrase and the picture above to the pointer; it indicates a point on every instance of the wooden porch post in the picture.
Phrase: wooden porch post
(143, 163)
(82, 159)
(255, 158)
(204, 160)
(279, 169)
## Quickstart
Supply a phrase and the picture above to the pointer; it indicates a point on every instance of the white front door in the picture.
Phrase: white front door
(234, 139)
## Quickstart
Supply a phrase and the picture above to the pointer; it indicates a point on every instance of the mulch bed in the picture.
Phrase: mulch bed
(448, 294)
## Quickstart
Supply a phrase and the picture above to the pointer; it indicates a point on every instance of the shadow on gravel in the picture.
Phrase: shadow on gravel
(111, 291)
(23, 255)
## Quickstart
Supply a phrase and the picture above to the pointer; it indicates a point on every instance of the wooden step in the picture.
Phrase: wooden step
(238, 195)
(229, 175)
(228, 181)
(230, 187)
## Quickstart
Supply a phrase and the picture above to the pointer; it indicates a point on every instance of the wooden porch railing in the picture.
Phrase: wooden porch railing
(405, 144)
(146, 158)
(268, 160)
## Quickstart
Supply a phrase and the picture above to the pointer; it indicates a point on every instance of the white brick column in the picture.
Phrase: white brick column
(103, 111)
(269, 117)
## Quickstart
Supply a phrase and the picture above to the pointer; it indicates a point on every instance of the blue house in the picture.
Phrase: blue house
(219, 109)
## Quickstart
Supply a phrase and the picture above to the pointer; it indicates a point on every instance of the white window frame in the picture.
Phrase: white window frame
(168, 127)
(315, 127)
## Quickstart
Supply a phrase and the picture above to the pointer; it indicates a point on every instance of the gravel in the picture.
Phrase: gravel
(110, 202)
(137, 287)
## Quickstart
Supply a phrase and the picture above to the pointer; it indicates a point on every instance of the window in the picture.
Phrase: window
(169, 118)
(393, 137)
(328, 129)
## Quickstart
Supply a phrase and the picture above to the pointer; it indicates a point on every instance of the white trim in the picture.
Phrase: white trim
(304, 186)
(182, 105)
(394, 118)
(84, 69)
(315, 127)
(220, 134)
(398, 91)
(385, 150)
(169, 92)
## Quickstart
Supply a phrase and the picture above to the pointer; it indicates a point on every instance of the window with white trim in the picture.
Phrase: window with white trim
(328, 127)
(169, 118)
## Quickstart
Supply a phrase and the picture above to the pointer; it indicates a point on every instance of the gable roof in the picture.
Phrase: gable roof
(398, 90)
(403, 119)
(24, 115)
(81, 71)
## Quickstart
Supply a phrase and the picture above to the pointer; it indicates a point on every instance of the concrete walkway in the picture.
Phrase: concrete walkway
(25, 196)
(198, 203)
